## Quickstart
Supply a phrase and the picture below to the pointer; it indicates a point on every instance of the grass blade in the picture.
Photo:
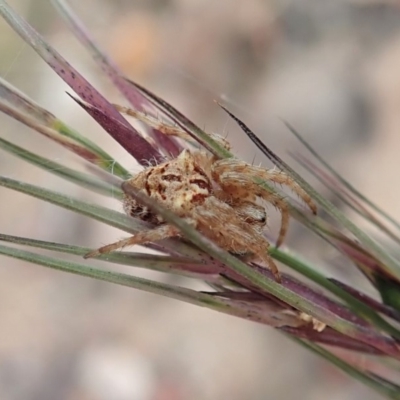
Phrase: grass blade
(343, 195)
(263, 314)
(343, 181)
(183, 122)
(144, 151)
(177, 265)
(134, 97)
(386, 388)
(358, 306)
(59, 131)
(69, 174)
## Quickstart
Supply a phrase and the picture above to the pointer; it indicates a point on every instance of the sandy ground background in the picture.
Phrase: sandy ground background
(329, 67)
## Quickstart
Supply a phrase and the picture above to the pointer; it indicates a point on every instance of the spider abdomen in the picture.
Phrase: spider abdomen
(180, 185)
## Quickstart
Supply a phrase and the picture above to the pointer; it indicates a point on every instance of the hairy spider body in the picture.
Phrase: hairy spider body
(219, 197)
(186, 186)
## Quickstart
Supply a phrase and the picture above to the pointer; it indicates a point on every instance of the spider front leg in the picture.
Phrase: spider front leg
(166, 129)
(240, 186)
(152, 235)
(241, 168)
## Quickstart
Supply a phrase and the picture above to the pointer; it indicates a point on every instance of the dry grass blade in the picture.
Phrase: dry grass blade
(76, 81)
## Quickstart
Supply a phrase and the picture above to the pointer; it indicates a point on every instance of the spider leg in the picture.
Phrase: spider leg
(232, 234)
(153, 122)
(240, 186)
(166, 129)
(241, 168)
(281, 205)
(152, 235)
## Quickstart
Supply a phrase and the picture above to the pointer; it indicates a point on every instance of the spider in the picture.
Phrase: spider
(219, 197)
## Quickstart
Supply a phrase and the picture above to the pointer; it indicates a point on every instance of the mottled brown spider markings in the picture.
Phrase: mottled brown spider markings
(179, 183)
(219, 197)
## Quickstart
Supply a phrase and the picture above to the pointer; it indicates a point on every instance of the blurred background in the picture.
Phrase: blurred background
(331, 68)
